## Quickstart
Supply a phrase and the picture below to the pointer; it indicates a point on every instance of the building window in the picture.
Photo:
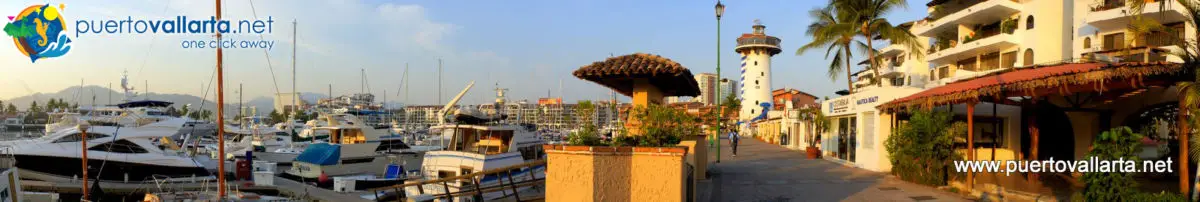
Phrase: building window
(1029, 22)
(1008, 60)
(1028, 57)
(762, 73)
(1114, 41)
(755, 82)
(1087, 42)
(755, 63)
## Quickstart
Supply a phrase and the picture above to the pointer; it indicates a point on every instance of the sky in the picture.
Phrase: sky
(529, 47)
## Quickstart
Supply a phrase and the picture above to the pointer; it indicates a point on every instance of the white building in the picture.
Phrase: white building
(708, 88)
(728, 87)
(756, 50)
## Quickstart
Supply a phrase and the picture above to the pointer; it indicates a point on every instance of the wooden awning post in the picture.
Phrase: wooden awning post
(1034, 133)
(1184, 132)
(970, 143)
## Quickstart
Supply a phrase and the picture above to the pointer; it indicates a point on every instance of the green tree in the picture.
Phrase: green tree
(276, 117)
(869, 17)
(11, 109)
(34, 108)
(183, 111)
(205, 114)
(172, 111)
(833, 31)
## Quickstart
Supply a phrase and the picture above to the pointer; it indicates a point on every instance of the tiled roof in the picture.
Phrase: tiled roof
(1034, 81)
(619, 72)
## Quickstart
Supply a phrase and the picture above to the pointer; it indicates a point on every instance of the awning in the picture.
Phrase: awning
(1034, 81)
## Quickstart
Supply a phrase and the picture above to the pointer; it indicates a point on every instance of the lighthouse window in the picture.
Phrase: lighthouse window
(755, 82)
(762, 73)
(755, 63)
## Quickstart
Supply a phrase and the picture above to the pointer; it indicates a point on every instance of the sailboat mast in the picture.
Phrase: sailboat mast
(220, 114)
(296, 93)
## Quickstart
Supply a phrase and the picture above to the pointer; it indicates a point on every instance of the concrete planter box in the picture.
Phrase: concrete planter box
(600, 173)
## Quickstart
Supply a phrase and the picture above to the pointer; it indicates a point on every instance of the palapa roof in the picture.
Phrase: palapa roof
(618, 73)
(1036, 81)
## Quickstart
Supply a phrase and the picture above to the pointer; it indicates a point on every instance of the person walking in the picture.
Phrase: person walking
(733, 141)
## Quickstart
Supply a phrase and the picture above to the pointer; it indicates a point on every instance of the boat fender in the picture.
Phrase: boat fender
(323, 178)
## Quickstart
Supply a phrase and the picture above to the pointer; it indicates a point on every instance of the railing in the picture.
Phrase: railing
(473, 189)
(772, 41)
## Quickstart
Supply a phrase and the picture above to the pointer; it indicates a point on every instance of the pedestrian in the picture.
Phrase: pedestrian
(733, 141)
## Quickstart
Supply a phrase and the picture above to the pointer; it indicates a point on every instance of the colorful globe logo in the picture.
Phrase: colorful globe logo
(39, 32)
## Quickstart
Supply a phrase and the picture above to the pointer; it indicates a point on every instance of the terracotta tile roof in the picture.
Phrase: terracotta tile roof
(1027, 81)
(619, 72)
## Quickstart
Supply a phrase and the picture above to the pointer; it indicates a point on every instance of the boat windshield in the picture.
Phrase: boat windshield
(480, 141)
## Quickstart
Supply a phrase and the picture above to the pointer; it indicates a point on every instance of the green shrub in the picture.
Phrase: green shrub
(922, 150)
(1117, 143)
(1160, 196)
(660, 126)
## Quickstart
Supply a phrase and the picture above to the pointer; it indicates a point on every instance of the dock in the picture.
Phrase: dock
(283, 186)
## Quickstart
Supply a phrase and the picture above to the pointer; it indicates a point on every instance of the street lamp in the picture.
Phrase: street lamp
(716, 140)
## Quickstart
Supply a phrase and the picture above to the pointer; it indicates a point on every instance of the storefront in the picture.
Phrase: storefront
(858, 130)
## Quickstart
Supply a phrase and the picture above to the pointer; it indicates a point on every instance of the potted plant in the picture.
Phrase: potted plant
(817, 123)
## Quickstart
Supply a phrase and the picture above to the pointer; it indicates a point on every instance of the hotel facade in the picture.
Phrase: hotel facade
(1035, 78)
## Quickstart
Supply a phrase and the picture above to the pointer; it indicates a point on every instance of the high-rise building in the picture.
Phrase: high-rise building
(708, 88)
(756, 50)
(728, 86)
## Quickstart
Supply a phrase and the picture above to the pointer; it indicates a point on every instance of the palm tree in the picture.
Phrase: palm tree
(868, 16)
(832, 31)
(1189, 91)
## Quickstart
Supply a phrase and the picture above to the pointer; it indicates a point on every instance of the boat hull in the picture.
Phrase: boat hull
(65, 169)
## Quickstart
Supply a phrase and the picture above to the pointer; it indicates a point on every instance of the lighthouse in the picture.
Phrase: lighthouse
(756, 50)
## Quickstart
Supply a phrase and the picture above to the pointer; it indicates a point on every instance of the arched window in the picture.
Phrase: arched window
(1029, 22)
(1087, 42)
(1028, 57)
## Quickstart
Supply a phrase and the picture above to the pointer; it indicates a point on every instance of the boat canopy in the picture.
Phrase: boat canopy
(321, 154)
(145, 103)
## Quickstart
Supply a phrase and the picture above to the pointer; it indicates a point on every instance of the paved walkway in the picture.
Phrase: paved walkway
(765, 172)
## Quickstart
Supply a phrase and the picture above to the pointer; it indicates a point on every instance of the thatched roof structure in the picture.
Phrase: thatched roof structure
(619, 73)
(1058, 79)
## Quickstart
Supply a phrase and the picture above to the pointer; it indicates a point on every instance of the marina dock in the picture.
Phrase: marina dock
(283, 186)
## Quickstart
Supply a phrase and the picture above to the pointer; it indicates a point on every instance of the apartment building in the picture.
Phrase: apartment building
(973, 38)
(1103, 31)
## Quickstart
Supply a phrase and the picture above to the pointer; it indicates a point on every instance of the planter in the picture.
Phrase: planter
(601, 173)
(812, 152)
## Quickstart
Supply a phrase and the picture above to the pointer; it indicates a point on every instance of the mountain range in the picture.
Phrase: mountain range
(99, 95)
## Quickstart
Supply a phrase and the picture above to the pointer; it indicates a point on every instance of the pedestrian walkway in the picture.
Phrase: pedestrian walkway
(765, 172)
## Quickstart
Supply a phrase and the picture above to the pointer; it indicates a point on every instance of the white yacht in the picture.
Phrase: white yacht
(475, 143)
(115, 154)
(350, 152)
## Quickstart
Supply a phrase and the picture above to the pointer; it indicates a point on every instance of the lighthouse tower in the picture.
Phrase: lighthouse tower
(756, 50)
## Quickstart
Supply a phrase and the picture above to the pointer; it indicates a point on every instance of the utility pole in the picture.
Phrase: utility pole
(110, 93)
(241, 109)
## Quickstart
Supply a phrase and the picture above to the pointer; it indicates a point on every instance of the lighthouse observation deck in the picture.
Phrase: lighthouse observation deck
(758, 40)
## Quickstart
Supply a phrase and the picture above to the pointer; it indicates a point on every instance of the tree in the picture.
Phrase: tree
(172, 111)
(832, 31)
(11, 109)
(585, 111)
(205, 114)
(869, 16)
(34, 108)
(276, 117)
(183, 111)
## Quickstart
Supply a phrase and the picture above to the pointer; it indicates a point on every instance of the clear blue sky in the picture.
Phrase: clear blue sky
(526, 46)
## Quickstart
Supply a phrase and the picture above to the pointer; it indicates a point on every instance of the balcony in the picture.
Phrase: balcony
(1115, 14)
(969, 48)
(978, 13)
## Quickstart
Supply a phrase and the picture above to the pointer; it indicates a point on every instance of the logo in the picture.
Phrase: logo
(39, 32)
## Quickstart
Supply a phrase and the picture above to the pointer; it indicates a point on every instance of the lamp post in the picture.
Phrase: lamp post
(716, 140)
(83, 127)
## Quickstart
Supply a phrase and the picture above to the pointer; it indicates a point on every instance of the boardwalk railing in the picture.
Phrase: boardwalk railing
(505, 179)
